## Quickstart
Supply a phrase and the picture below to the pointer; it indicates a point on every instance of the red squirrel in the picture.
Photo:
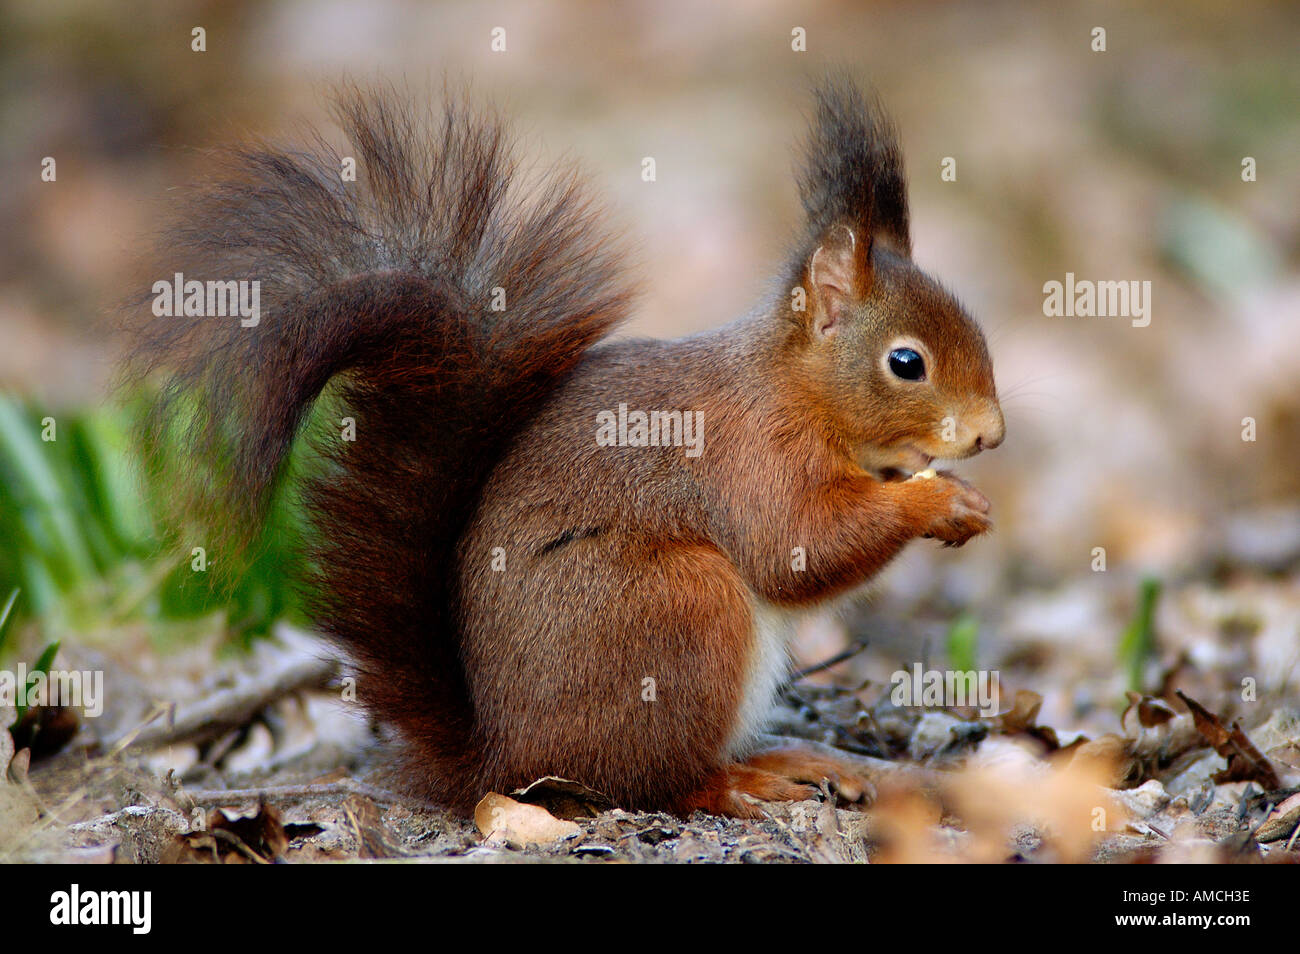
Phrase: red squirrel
(519, 596)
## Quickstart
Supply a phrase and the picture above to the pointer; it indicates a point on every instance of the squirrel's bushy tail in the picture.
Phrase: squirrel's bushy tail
(447, 301)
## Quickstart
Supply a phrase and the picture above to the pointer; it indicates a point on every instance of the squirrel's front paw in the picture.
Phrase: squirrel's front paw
(957, 511)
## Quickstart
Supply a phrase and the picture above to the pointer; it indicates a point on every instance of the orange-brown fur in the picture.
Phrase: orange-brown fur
(476, 442)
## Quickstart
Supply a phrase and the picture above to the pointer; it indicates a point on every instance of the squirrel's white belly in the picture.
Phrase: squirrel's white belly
(767, 667)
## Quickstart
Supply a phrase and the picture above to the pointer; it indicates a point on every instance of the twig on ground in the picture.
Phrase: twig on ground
(227, 709)
(347, 786)
(835, 660)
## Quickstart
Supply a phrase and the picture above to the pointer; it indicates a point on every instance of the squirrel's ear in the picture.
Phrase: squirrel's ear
(836, 274)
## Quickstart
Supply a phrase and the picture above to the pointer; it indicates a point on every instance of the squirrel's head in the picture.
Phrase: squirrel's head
(902, 372)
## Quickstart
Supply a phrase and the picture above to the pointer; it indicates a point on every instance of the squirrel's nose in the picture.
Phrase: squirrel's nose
(989, 430)
(979, 430)
(992, 433)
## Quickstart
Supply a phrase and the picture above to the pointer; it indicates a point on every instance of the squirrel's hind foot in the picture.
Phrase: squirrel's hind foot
(779, 775)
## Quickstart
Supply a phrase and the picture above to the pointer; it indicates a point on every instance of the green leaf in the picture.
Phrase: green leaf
(39, 497)
(4, 614)
(1138, 644)
(42, 666)
(963, 640)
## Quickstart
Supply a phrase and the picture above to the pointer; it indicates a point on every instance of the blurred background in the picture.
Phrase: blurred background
(1117, 165)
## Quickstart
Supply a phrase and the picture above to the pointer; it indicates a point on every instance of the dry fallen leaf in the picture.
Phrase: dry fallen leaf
(1149, 710)
(1111, 755)
(1005, 788)
(1024, 710)
(1022, 718)
(1245, 762)
(1281, 822)
(502, 819)
(904, 827)
(563, 798)
(45, 729)
(1279, 739)
(367, 823)
(231, 837)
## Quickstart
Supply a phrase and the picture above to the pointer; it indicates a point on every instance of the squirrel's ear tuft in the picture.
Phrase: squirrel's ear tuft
(835, 275)
(853, 166)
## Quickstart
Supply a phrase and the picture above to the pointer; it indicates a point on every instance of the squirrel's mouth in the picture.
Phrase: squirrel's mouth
(896, 473)
(895, 463)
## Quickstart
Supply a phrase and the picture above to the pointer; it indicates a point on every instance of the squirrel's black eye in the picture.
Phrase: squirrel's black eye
(907, 364)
